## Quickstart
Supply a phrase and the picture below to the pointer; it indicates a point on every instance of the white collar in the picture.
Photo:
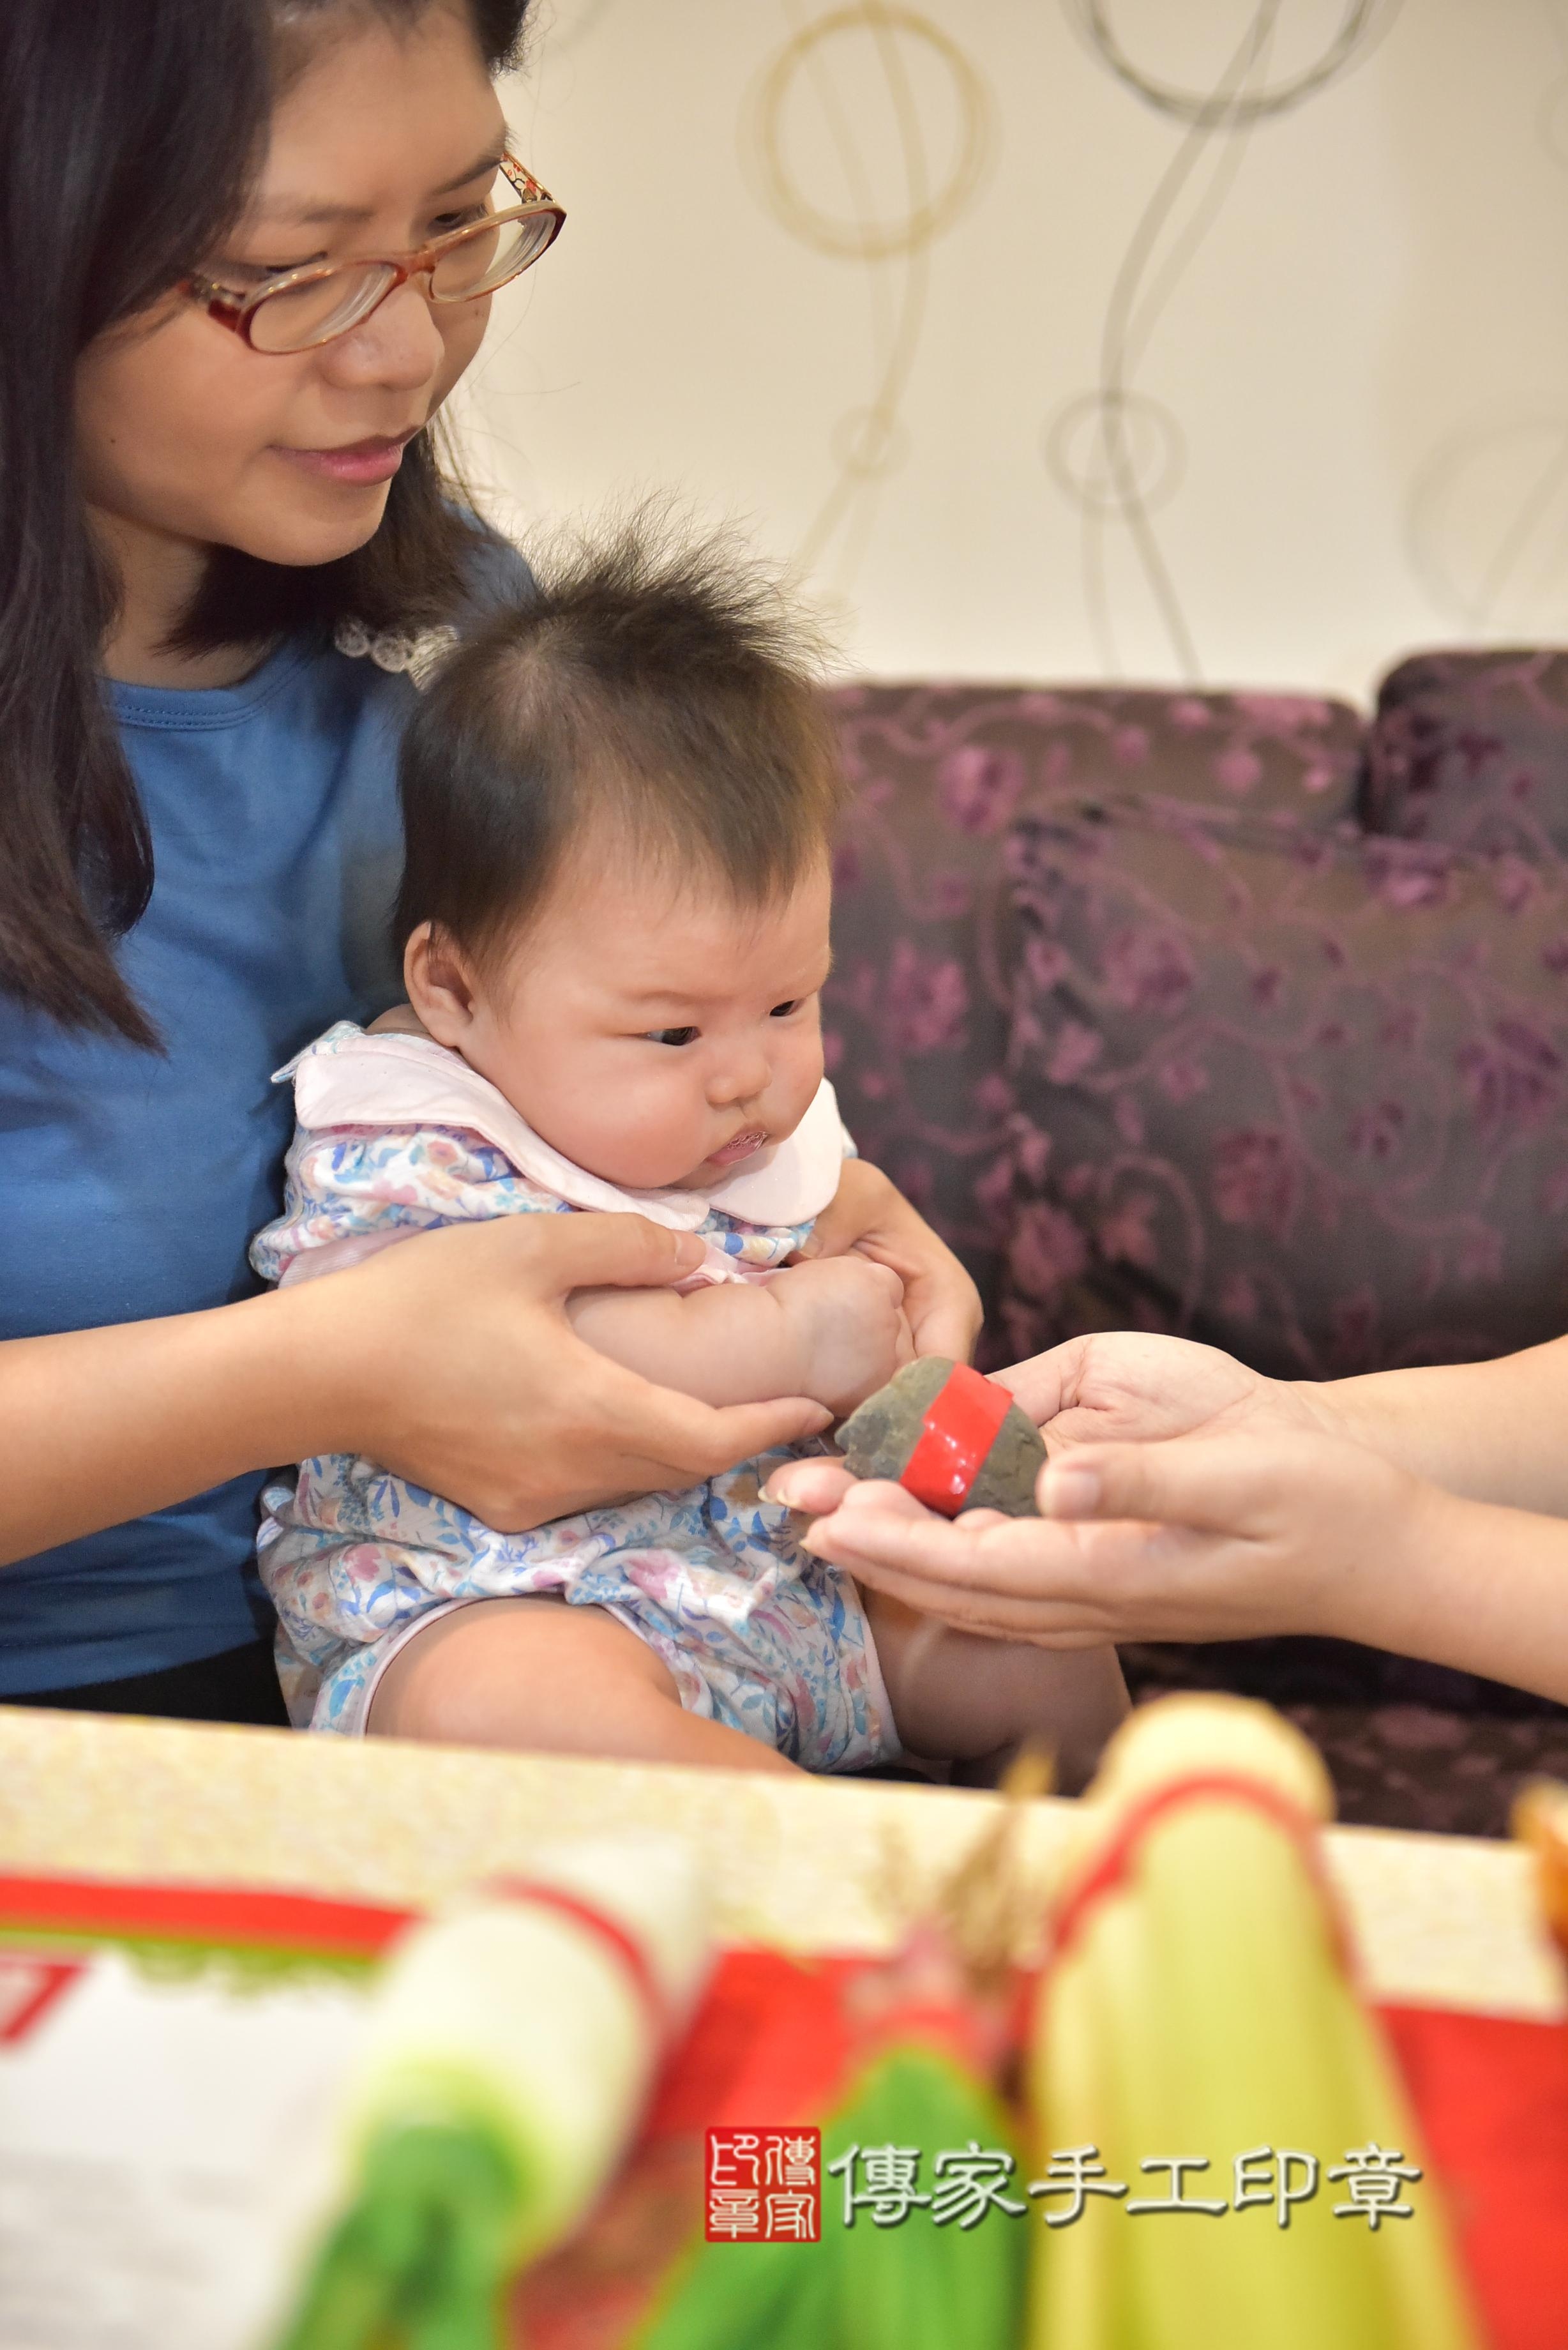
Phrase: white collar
(349, 1078)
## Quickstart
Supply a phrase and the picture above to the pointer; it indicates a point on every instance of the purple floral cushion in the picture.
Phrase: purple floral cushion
(1408, 1746)
(985, 753)
(1303, 1095)
(916, 1014)
(1472, 749)
(918, 1010)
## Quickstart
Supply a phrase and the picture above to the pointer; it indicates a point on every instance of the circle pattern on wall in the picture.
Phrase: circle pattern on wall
(1101, 23)
(1109, 451)
(907, 38)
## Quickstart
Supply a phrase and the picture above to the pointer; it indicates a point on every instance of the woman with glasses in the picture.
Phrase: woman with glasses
(249, 249)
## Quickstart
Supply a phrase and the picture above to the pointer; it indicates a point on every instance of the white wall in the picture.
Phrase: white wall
(1363, 367)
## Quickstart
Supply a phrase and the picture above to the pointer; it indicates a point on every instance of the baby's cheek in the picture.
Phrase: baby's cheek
(796, 1083)
(653, 1132)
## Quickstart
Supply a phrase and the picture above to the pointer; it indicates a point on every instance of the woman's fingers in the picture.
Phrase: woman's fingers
(1257, 1530)
(636, 1437)
(1038, 1384)
(702, 1441)
(465, 1375)
(944, 1312)
(884, 1526)
(1214, 1484)
(591, 1252)
(815, 1486)
(1137, 1387)
(1012, 1577)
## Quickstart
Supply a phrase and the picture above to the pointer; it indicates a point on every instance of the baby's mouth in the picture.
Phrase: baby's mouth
(743, 1146)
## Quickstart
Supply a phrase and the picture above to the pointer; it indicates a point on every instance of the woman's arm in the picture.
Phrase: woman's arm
(1491, 1431)
(834, 1330)
(449, 1358)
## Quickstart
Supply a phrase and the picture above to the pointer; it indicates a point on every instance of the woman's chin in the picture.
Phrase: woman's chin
(318, 528)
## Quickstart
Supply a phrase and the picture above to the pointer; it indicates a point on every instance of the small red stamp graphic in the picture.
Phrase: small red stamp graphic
(762, 2187)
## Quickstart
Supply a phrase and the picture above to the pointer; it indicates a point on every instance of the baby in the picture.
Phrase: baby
(618, 802)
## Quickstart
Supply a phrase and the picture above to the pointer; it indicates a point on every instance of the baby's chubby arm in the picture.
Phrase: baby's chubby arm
(834, 1330)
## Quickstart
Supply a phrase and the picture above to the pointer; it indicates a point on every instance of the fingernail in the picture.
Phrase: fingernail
(690, 1249)
(1068, 1492)
(810, 1246)
(778, 1491)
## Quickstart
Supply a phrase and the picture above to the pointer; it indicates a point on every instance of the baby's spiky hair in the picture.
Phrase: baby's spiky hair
(654, 699)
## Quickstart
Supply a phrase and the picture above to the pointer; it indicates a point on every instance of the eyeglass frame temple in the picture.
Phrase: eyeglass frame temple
(235, 310)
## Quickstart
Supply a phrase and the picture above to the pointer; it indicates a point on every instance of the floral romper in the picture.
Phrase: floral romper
(398, 1136)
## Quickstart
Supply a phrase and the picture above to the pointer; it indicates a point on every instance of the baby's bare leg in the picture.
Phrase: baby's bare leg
(542, 1677)
(961, 1699)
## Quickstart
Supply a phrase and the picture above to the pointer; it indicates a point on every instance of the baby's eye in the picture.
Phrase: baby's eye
(672, 1035)
(782, 1011)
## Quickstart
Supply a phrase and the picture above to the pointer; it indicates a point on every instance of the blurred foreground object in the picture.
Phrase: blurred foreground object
(1540, 1821)
(927, 2035)
(1197, 2037)
(501, 2077)
(921, 2052)
(955, 1440)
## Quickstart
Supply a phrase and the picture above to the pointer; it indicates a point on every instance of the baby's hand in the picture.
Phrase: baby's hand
(848, 1321)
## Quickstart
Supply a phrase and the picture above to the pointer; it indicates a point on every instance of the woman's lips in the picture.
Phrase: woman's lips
(358, 462)
(743, 1146)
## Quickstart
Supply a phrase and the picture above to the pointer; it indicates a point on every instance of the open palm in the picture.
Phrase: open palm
(1132, 1387)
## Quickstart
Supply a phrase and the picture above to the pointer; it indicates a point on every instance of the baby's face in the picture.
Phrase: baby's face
(659, 1037)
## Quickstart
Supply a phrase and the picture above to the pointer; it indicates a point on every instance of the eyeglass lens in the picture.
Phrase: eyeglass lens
(297, 317)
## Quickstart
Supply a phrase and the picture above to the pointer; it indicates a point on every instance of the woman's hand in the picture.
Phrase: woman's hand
(1139, 1387)
(869, 1216)
(450, 1359)
(1204, 1502)
(1126, 1384)
(1202, 1538)
(1232, 1537)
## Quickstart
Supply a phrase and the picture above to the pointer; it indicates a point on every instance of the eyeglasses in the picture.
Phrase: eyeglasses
(296, 310)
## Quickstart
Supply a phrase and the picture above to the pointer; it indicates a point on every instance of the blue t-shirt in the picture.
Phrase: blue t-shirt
(131, 1182)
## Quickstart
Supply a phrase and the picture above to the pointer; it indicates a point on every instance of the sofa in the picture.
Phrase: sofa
(1244, 1017)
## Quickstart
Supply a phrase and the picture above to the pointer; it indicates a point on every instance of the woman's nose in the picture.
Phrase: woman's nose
(399, 344)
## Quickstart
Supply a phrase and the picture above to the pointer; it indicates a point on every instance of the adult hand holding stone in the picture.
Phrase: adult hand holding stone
(1186, 1499)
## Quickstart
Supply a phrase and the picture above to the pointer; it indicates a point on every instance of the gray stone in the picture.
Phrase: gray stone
(878, 1439)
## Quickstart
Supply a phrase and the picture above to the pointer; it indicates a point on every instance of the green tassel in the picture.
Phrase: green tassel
(748, 2297)
(918, 2286)
(421, 2258)
(912, 2287)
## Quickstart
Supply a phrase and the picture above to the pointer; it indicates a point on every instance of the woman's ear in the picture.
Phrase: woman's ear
(440, 984)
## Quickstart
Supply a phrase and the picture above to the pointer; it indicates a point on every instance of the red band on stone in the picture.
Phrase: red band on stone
(957, 1433)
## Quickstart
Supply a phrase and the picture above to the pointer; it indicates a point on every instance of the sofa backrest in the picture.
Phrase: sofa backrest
(1088, 1075)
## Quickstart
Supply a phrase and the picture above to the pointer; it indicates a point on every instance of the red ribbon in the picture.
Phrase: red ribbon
(1115, 1866)
(957, 1433)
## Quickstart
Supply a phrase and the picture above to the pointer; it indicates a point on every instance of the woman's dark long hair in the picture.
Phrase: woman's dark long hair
(130, 134)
